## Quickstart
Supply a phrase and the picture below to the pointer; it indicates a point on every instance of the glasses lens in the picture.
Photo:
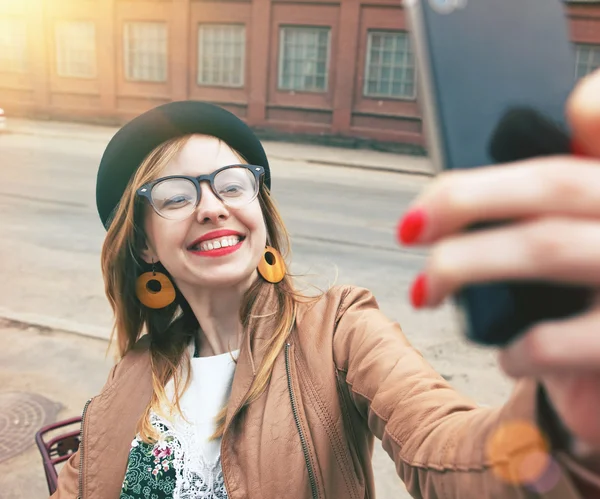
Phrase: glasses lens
(236, 186)
(175, 198)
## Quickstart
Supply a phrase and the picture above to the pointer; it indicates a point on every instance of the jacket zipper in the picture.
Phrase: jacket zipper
(311, 473)
(85, 408)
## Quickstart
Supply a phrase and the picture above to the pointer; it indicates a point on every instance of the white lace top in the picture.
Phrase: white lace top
(184, 457)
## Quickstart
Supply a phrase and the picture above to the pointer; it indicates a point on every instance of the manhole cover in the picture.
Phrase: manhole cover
(21, 416)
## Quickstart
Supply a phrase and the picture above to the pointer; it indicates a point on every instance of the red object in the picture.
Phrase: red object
(411, 227)
(418, 291)
(58, 448)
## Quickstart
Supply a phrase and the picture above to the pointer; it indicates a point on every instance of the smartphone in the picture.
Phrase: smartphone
(493, 80)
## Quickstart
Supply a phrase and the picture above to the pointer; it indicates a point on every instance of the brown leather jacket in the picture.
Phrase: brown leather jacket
(347, 374)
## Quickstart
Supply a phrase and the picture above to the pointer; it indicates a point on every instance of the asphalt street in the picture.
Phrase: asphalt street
(341, 220)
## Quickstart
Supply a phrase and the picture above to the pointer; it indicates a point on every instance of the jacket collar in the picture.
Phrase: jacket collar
(256, 336)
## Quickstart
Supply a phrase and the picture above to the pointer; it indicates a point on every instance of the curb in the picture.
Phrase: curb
(387, 169)
(52, 323)
(339, 164)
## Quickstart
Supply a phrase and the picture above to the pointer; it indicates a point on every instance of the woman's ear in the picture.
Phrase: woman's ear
(147, 253)
(148, 256)
(143, 247)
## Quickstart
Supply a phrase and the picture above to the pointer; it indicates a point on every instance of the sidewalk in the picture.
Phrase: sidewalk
(316, 154)
(63, 368)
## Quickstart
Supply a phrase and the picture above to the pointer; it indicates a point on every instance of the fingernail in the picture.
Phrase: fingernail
(418, 291)
(411, 227)
(577, 148)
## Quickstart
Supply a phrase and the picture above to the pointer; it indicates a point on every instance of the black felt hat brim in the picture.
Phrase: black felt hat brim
(133, 142)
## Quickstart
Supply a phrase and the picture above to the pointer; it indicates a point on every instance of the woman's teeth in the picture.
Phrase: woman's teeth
(222, 242)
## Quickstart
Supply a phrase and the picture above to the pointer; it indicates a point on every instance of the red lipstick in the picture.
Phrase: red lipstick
(216, 234)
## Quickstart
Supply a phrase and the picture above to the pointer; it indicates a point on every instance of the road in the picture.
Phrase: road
(342, 225)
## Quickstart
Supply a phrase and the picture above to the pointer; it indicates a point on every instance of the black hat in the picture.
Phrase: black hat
(131, 144)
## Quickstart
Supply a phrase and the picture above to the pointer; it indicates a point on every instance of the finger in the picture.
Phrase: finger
(560, 185)
(583, 112)
(552, 249)
(570, 345)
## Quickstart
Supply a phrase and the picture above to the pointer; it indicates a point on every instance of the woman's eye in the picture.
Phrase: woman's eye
(232, 189)
(175, 201)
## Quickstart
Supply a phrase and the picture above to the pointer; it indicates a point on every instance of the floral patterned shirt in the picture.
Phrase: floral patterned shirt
(184, 463)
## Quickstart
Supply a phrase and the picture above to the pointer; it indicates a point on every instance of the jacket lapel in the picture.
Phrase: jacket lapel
(110, 427)
(259, 330)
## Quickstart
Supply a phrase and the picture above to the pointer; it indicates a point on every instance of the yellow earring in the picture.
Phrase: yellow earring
(154, 289)
(272, 266)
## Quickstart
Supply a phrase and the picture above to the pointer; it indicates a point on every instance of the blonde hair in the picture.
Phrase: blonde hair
(171, 329)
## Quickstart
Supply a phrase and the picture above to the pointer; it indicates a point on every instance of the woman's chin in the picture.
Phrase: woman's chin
(223, 280)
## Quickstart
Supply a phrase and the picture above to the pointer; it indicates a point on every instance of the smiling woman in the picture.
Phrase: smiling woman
(233, 384)
(191, 214)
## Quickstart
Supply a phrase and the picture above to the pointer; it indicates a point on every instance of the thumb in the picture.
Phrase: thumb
(583, 113)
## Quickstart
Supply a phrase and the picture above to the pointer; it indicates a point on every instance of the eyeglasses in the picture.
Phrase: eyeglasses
(176, 197)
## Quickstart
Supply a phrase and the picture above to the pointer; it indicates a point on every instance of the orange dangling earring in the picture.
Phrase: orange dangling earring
(155, 289)
(272, 266)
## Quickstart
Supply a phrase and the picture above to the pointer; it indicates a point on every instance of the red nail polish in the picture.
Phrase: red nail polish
(418, 291)
(411, 227)
(577, 148)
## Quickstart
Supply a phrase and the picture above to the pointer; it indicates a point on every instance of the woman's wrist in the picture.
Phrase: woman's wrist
(561, 439)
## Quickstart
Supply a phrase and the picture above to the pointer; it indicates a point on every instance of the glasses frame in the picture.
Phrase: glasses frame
(145, 191)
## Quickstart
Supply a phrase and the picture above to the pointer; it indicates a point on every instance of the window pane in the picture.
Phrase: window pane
(221, 48)
(76, 49)
(587, 59)
(389, 70)
(375, 41)
(145, 50)
(304, 59)
(13, 46)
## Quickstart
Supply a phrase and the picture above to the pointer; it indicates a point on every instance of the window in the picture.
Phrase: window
(587, 59)
(221, 55)
(13, 46)
(304, 59)
(145, 48)
(390, 67)
(76, 49)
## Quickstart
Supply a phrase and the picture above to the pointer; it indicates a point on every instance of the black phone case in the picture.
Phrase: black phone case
(496, 313)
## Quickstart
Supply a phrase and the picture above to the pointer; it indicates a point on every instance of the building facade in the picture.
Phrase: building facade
(316, 67)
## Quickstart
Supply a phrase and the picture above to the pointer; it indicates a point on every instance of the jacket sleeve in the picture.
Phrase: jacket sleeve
(68, 478)
(443, 444)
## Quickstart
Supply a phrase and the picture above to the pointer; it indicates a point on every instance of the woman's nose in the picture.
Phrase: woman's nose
(210, 208)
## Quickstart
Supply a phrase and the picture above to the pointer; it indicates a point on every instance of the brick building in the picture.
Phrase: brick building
(316, 67)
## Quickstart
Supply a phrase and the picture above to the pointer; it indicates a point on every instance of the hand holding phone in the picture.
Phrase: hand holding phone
(494, 77)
